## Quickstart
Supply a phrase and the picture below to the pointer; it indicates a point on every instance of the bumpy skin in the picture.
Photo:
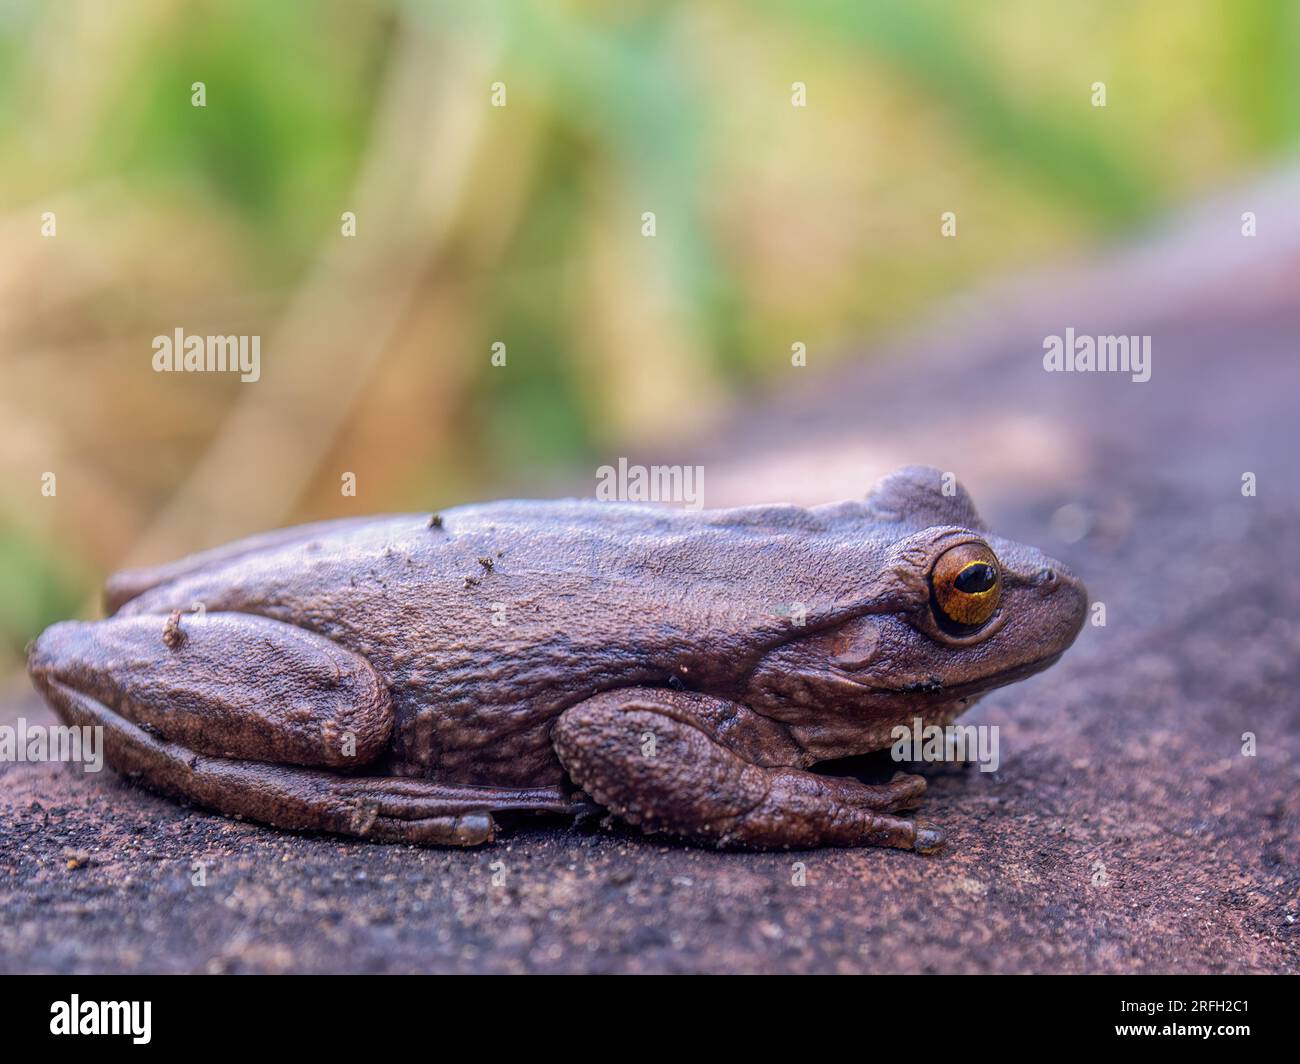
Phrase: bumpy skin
(406, 678)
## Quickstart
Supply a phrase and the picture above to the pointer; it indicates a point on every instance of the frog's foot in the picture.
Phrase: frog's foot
(659, 759)
(283, 796)
(199, 709)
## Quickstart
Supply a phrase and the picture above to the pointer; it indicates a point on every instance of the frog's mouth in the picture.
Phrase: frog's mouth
(933, 689)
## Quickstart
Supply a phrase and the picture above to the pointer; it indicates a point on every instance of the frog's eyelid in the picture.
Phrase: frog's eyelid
(921, 550)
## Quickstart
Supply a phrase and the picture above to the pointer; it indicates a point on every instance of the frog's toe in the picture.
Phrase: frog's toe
(905, 791)
(409, 809)
(473, 829)
(928, 839)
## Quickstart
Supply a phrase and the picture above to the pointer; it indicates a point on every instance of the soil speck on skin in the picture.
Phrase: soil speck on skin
(173, 634)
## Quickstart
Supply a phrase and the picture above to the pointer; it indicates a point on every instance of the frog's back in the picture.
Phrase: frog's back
(547, 537)
(489, 620)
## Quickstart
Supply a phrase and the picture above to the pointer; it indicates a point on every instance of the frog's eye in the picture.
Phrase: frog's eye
(965, 585)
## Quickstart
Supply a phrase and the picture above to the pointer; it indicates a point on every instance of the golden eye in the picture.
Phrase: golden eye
(966, 585)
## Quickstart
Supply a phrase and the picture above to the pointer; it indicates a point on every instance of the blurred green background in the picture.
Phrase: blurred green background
(523, 224)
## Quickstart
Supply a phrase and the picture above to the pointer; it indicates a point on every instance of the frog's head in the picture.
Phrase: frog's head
(949, 613)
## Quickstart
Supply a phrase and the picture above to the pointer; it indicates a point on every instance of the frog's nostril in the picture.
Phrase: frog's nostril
(1045, 577)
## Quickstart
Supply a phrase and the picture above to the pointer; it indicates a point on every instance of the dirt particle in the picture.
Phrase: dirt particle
(173, 635)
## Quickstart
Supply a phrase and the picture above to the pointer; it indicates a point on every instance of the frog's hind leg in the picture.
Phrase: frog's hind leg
(223, 711)
(689, 764)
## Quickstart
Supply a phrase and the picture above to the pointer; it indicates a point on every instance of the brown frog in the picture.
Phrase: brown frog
(410, 679)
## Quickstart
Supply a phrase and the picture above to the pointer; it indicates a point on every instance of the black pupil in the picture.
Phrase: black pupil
(977, 577)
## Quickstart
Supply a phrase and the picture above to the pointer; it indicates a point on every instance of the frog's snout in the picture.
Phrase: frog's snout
(1063, 598)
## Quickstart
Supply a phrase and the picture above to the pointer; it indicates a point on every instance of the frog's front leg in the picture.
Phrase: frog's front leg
(693, 765)
(259, 719)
